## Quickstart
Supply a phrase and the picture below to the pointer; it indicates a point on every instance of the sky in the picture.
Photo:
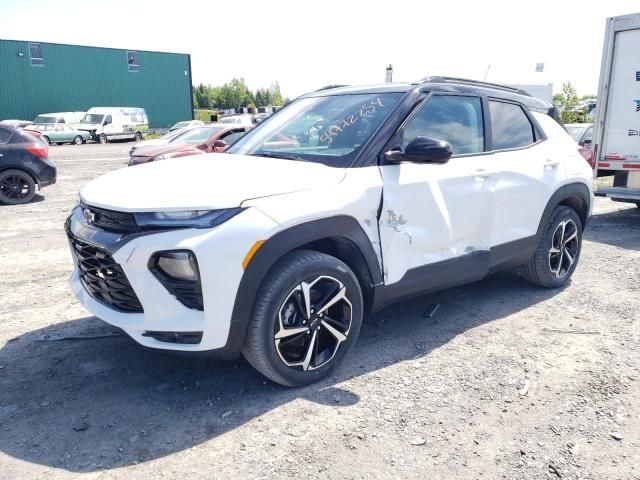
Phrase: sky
(305, 45)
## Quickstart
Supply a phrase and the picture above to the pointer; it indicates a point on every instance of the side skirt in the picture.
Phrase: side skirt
(455, 271)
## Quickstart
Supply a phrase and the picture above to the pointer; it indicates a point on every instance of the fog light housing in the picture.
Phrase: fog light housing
(178, 272)
(178, 265)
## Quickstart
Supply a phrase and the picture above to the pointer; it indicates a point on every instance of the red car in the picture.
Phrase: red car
(211, 138)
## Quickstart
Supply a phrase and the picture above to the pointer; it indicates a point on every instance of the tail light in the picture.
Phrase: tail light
(588, 155)
(40, 151)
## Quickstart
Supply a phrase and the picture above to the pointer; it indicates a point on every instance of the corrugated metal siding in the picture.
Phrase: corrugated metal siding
(76, 78)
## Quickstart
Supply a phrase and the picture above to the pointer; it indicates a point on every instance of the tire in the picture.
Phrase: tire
(103, 138)
(46, 139)
(280, 307)
(138, 137)
(78, 140)
(16, 187)
(559, 250)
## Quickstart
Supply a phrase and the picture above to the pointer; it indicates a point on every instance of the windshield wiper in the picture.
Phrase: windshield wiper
(284, 156)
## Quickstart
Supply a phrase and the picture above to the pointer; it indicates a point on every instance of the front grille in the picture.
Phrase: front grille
(121, 222)
(103, 278)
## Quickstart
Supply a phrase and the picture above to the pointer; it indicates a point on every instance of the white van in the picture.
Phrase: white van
(115, 123)
(59, 117)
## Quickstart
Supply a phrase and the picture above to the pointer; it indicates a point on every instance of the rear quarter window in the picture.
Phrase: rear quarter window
(510, 126)
(5, 135)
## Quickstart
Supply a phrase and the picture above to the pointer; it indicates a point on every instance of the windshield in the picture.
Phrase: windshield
(196, 136)
(44, 119)
(180, 125)
(328, 129)
(92, 118)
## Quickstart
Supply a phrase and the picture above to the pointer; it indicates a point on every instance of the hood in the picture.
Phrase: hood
(150, 143)
(153, 150)
(204, 182)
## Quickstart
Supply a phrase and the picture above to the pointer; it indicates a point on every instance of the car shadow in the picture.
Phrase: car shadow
(97, 404)
(620, 228)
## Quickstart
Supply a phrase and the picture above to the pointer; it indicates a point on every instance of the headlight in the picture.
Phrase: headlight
(185, 218)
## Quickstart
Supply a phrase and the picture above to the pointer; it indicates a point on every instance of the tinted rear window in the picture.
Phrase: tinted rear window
(510, 126)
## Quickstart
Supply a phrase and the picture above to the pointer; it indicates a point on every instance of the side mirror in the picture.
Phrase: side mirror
(422, 150)
(220, 145)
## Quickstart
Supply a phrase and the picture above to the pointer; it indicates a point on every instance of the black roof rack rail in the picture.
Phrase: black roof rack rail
(474, 83)
(328, 87)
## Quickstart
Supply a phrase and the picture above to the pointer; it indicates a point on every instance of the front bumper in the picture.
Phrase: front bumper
(219, 252)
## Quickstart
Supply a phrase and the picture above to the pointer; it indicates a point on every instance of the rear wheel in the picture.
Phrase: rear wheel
(78, 140)
(16, 187)
(46, 140)
(138, 136)
(306, 318)
(103, 138)
(559, 249)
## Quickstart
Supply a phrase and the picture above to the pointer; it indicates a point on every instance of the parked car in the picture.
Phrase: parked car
(115, 123)
(212, 138)
(60, 133)
(582, 133)
(260, 117)
(237, 120)
(16, 123)
(187, 124)
(59, 117)
(24, 166)
(163, 140)
(389, 191)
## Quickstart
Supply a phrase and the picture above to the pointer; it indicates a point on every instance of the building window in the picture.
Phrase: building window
(132, 61)
(36, 55)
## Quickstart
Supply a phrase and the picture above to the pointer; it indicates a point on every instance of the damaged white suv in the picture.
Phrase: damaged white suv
(346, 200)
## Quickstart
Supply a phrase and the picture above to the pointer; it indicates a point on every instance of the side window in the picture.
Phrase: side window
(510, 126)
(5, 135)
(108, 119)
(455, 119)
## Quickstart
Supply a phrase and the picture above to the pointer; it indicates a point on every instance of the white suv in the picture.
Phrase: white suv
(344, 201)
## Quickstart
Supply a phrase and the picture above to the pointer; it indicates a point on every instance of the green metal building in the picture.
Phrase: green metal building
(38, 77)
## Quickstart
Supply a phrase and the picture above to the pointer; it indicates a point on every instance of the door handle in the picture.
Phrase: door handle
(551, 163)
(481, 174)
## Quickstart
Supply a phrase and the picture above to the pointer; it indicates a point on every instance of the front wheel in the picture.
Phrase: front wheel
(559, 249)
(138, 136)
(306, 318)
(78, 140)
(103, 138)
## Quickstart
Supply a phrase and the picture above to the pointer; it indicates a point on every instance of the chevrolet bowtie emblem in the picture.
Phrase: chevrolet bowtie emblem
(88, 215)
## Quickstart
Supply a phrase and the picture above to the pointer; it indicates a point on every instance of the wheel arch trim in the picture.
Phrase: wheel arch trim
(338, 227)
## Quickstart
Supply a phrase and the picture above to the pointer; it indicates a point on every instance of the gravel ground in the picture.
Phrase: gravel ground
(504, 381)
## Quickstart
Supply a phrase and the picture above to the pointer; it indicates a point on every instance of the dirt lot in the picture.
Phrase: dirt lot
(504, 381)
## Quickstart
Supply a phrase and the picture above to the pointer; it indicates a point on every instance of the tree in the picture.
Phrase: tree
(572, 109)
(236, 94)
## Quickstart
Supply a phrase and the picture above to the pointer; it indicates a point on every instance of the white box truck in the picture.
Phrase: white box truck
(617, 119)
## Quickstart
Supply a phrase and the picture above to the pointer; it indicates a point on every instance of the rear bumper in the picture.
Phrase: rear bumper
(620, 194)
(47, 176)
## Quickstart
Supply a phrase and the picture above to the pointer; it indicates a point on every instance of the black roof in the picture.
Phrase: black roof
(443, 84)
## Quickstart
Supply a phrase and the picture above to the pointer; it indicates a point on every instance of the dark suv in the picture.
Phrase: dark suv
(23, 166)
